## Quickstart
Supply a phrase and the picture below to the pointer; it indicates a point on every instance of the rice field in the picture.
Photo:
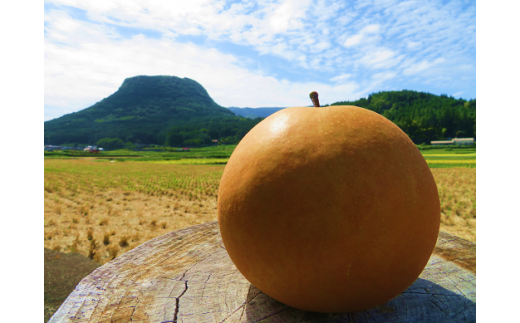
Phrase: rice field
(102, 208)
(440, 158)
(457, 193)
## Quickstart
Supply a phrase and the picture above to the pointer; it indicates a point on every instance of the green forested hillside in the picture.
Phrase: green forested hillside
(423, 116)
(142, 110)
(179, 112)
(226, 130)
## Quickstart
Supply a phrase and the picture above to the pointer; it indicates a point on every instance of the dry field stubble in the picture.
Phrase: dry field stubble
(102, 209)
(457, 193)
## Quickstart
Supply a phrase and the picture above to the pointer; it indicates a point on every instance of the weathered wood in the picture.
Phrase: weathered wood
(187, 276)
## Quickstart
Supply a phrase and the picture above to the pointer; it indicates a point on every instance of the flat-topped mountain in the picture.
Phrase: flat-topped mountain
(143, 108)
(179, 112)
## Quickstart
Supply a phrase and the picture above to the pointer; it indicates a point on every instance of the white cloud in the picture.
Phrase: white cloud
(458, 94)
(321, 46)
(345, 18)
(364, 36)
(341, 77)
(373, 40)
(354, 40)
(383, 76)
(80, 75)
(288, 15)
(370, 29)
(413, 44)
(421, 66)
(270, 27)
(377, 81)
(381, 58)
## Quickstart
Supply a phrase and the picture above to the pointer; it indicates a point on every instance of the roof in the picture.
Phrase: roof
(452, 141)
(442, 142)
(459, 139)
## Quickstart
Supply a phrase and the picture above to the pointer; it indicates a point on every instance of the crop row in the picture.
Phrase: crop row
(72, 177)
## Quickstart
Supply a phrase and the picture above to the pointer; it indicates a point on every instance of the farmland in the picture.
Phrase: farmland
(219, 155)
(223, 152)
(105, 205)
(450, 157)
(102, 209)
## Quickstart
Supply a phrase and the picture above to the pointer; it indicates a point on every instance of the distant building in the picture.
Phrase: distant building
(51, 147)
(454, 141)
(92, 149)
(185, 149)
(442, 142)
(463, 141)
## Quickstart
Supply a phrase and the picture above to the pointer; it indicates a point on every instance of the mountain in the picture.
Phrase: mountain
(253, 113)
(422, 116)
(179, 112)
(142, 110)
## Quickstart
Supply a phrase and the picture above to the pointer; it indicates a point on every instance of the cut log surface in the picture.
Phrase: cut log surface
(187, 276)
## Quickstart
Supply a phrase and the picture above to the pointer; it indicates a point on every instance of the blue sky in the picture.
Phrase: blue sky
(259, 53)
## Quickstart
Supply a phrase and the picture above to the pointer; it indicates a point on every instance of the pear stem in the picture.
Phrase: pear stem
(314, 98)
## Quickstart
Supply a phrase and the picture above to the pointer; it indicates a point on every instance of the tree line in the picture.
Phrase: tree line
(194, 134)
(423, 116)
(225, 130)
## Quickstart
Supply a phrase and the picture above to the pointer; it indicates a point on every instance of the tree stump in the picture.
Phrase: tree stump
(187, 276)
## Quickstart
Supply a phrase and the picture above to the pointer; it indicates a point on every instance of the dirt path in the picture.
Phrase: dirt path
(63, 271)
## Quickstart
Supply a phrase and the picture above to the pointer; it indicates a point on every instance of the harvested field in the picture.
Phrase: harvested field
(457, 193)
(102, 209)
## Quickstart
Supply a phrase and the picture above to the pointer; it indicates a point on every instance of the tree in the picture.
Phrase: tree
(110, 143)
(129, 146)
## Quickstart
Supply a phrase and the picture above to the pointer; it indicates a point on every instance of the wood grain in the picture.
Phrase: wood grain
(187, 276)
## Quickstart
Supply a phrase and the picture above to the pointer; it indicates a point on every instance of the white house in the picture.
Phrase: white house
(454, 141)
(92, 148)
(463, 141)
